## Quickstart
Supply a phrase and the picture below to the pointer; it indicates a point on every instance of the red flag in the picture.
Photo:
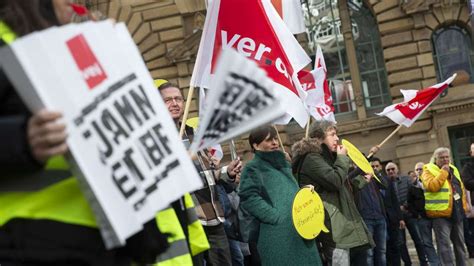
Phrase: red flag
(255, 30)
(414, 103)
(315, 83)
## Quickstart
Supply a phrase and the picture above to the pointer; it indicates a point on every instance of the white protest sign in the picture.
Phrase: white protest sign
(124, 144)
(241, 98)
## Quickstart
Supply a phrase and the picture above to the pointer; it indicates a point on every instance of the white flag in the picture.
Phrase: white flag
(239, 100)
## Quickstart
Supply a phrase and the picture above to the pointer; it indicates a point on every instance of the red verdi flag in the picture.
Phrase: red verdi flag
(319, 96)
(414, 103)
(255, 30)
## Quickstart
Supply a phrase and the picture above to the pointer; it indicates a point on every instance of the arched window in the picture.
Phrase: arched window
(452, 52)
(369, 58)
(324, 28)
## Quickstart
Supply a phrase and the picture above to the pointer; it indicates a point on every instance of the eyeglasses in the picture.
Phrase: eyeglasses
(177, 99)
(390, 169)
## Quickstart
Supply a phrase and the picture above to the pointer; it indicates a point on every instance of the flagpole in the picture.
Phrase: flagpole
(385, 140)
(186, 111)
(233, 150)
(307, 127)
(279, 139)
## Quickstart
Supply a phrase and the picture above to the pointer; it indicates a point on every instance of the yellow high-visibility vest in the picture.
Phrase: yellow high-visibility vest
(6, 34)
(178, 252)
(62, 201)
(439, 201)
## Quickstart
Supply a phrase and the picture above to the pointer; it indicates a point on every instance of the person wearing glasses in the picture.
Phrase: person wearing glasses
(395, 217)
(208, 207)
(419, 169)
(416, 214)
(446, 203)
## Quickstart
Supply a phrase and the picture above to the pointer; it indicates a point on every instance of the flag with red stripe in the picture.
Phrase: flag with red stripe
(414, 103)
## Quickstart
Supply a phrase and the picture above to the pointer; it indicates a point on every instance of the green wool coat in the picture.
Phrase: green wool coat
(267, 190)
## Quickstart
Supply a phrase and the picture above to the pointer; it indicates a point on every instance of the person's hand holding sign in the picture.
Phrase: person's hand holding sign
(46, 135)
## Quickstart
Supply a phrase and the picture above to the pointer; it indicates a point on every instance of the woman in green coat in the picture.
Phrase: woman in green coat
(267, 190)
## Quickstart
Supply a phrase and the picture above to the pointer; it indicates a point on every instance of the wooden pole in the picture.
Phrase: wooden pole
(306, 135)
(233, 150)
(279, 139)
(386, 139)
(186, 111)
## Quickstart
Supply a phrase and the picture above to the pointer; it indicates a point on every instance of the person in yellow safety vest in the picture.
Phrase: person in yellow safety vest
(182, 247)
(445, 202)
(44, 217)
(177, 253)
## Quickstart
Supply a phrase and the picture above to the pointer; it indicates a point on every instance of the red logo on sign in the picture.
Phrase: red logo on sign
(90, 68)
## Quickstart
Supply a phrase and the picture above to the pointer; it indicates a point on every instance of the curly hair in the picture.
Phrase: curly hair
(319, 128)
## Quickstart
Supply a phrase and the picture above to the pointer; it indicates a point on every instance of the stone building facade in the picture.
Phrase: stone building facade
(168, 32)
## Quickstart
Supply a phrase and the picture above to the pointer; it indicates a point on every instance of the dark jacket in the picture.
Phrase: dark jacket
(392, 205)
(416, 201)
(467, 175)
(206, 199)
(15, 154)
(369, 200)
(267, 189)
(314, 164)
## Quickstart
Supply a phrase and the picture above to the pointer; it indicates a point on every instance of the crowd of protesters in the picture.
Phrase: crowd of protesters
(244, 208)
(367, 217)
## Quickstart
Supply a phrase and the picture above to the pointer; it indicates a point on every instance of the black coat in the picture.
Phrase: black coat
(416, 202)
(15, 154)
(467, 175)
(392, 205)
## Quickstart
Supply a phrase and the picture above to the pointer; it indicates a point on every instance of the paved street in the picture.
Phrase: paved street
(413, 255)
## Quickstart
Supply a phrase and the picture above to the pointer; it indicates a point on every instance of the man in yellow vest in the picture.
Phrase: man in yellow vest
(445, 203)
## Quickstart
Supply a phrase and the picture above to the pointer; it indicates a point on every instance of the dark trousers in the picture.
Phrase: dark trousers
(46, 242)
(219, 254)
(413, 229)
(254, 258)
(426, 232)
(469, 235)
(378, 229)
(394, 243)
(403, 248)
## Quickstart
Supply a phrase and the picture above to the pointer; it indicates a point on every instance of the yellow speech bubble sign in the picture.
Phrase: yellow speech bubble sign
(358, 158)
(308, 214)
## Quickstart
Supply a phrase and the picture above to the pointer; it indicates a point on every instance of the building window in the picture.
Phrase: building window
(460, 138)
(452, 52)
(369, 57)
(324, 28)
